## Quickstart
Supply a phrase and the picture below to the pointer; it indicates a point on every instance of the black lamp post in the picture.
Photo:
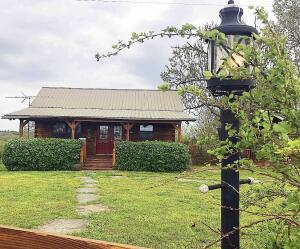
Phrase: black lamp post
(236, 31)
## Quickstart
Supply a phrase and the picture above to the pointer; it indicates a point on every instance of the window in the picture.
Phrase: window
(103, 132)
(146, 132)
(89, 133)
(78, 130)
(61, 130)
(118, 132)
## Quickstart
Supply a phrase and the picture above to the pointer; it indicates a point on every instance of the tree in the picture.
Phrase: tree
(186, 68)
(288, 23)
(277, 94)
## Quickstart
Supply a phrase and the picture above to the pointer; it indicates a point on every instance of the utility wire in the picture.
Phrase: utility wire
(162, 3)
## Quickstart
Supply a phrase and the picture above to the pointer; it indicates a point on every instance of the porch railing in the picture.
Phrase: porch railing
(114, 155)
(83, 150)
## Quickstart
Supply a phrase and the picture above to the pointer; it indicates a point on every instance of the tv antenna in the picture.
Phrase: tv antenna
(24, 98)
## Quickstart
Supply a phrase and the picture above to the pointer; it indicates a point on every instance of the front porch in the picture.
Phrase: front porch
(98, 151)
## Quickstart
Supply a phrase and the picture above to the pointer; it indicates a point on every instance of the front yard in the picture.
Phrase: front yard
(157, 210)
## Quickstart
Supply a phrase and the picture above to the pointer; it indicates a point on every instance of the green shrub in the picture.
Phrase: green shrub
(151, 156)
(41, 154)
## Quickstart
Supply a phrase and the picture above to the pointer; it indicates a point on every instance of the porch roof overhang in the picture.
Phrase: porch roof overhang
(98, 114)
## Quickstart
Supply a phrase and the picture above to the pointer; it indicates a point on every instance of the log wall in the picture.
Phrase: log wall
(43, 129)
(162, 131)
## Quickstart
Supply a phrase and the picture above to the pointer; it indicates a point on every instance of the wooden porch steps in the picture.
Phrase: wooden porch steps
(98, 162)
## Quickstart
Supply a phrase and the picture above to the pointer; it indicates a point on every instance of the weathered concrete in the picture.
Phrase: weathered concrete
(90, 209)
(90, 185)
(87, 190)
(85, 198)
(64, 226)
(87, 179)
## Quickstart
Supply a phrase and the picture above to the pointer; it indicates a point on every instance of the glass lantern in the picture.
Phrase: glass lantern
(221, 55)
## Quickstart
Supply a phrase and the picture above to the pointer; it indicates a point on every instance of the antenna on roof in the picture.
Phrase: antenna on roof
(24, 97)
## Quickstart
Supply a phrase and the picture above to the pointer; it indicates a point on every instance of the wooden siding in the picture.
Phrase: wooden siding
(43, 129)
(162, 131)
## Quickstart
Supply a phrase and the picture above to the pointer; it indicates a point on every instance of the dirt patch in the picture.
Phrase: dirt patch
(85, 198)
(87, 190)
(64, 226)
(90, 209)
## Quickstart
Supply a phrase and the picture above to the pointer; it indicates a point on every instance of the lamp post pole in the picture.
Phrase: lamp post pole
(230, 190)
(235, 31)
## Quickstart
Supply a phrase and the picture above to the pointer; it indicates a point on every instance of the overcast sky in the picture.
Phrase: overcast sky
(53, 43)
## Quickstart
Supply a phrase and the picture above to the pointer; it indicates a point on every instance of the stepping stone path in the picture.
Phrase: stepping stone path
(90, 209)
(85, 198)
(87, 190)
(85, 194)
(64, 226)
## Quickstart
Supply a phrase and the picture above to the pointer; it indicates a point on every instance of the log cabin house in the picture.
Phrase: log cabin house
(103, 116)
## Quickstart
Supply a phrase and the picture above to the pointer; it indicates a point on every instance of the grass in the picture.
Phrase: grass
(29, 199)
(157, 210)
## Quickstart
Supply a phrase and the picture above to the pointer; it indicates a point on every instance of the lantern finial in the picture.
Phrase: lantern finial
(231, 2)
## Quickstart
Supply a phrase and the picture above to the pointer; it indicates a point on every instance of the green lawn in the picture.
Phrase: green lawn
(155, 210)
(29, 199)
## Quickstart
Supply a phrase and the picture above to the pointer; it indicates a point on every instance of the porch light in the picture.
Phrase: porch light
(219, 53)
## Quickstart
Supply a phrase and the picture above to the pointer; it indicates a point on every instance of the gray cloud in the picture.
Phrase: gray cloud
(53, 42)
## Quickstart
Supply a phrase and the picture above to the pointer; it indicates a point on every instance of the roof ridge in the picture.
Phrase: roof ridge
(114, 89)
(104, 109)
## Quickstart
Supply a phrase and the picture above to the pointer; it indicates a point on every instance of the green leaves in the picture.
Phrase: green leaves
(207, 75)
(165, 86)
(186, 31)
(41, 154)
(151, 156)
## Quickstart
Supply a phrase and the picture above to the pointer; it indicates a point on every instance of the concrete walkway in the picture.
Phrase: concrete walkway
(85, 194)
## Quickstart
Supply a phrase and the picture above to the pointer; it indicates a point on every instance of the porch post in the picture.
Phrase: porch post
(21, 127)
(73, 125)
(179, 133)
(178, 129)
(127, 134)
(73, 130)
(21, 133)
(127, 128)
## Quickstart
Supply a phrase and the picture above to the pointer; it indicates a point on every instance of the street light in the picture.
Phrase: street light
(222, 55)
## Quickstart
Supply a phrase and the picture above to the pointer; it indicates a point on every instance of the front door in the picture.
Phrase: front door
(106, 136)
(90, 133)
(104, 141)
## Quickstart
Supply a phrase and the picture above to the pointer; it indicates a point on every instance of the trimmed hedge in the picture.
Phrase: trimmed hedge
(41, 154)
(151, 156)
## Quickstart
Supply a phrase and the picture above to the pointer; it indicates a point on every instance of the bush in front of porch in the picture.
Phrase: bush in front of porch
(41, 154)
(151, 156)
